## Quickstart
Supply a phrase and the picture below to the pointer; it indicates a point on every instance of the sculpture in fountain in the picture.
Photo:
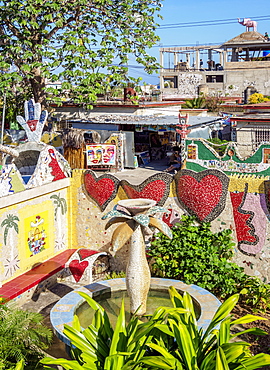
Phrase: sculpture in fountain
(136, 217)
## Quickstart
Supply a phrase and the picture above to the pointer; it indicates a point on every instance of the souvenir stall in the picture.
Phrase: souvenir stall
(152, 142)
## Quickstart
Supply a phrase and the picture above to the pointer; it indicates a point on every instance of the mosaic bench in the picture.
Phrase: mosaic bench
(65, 266)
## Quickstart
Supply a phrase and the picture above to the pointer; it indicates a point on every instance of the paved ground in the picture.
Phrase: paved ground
(43, 304)
(138, 175)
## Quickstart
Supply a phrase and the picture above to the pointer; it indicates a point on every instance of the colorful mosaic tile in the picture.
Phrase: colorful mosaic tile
(202, 194)
(156, 187)
(102, 190)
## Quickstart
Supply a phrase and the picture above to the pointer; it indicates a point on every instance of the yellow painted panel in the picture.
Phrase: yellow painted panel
(37, 234)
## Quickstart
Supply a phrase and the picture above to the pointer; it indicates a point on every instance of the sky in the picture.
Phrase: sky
(177, 12)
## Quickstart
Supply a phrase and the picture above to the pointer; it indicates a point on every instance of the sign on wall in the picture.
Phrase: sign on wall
(100, 154)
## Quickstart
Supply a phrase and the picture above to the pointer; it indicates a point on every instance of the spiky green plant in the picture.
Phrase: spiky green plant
(23, 336)
(196, 103)
(183, 345)
(170, 340)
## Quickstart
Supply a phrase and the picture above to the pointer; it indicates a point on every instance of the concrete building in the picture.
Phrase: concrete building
(237, 68)
(252, 128)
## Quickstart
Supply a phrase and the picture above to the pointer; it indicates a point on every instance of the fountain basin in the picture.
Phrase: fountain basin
(64, 310)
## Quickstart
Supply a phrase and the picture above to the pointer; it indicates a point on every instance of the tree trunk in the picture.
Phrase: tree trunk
(38, 87)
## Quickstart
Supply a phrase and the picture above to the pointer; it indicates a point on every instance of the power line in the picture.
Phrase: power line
(210, 22)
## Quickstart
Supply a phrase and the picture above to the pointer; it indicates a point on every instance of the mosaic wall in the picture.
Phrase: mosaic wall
(68, 214)
(51, 166)
(33, 228)
(238, 202)
(201, 156)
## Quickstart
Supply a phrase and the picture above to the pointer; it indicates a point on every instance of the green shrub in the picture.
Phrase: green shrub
(23, 336)
(171, 339)
(198, 256)
(256, 294)
(115, 275)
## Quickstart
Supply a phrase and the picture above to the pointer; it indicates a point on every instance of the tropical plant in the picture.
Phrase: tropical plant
(171, 339)
(256, 294)
(9, 223)
(183, 345)
(196, 103)
(23, 336)
(102, 347)
(73, 44)
(198, 256)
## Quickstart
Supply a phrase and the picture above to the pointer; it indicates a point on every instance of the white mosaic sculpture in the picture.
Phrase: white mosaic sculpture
(136, 215)
(34, 120)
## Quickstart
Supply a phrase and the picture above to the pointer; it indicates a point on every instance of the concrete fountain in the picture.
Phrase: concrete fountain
(137, 221)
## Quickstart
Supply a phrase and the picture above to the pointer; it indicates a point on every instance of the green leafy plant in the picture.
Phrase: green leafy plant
(256, 294)
(171, 339)
(115, 275)
(196, 103)
(198, 256)
(74, 46)
(182, 345)
(102, 347)
(220, 145)
(23, 337)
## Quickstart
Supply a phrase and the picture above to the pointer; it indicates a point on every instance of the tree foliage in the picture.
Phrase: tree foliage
(83, 45)
(257, 98)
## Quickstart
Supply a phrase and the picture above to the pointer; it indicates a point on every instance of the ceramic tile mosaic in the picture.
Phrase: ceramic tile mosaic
(250, 220)
(202, 194)
(102, 190)
(38, 274)
(34, 120)
(156, 187)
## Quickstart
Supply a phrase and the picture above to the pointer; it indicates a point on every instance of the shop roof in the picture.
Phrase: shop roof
(162, 120)
(260, 117)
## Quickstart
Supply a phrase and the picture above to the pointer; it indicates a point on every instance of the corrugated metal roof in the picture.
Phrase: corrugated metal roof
(146, 120)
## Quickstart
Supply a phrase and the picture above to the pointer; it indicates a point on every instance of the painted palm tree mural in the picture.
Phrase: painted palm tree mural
(136, 217)
(10, 225)
(60, 203)
(60, 209)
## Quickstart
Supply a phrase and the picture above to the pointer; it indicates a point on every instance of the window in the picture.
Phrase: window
(214, 78)
(262, 134)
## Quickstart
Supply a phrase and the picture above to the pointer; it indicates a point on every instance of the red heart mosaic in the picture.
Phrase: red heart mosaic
(84, 253)
(77, 269)
(156, 187)
(202, 194)
(102, 190)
